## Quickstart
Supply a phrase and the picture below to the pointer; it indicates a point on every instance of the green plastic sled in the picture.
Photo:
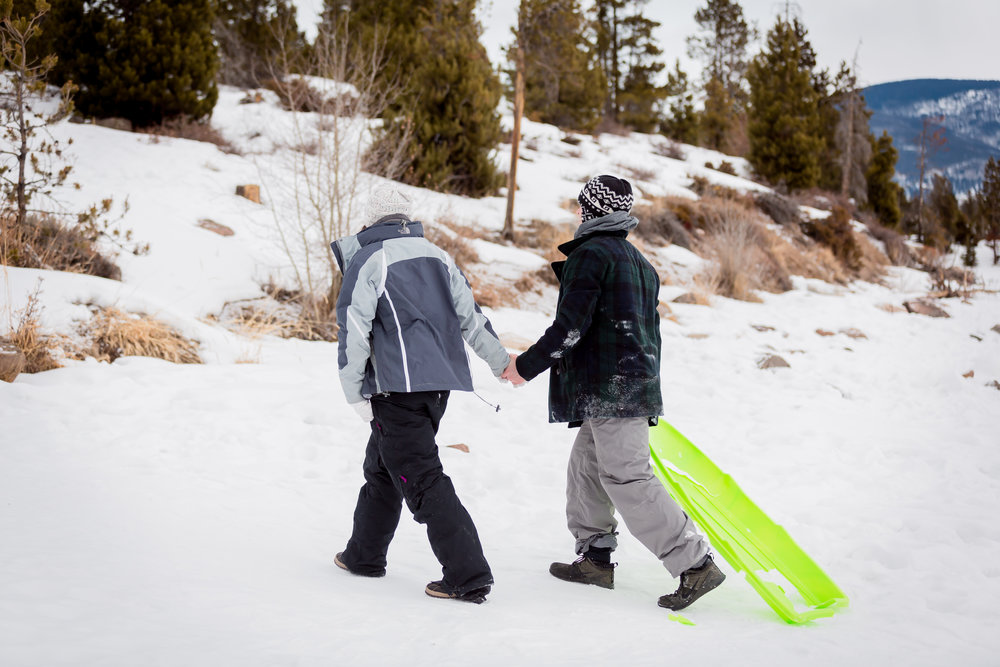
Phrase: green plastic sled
(740, 532)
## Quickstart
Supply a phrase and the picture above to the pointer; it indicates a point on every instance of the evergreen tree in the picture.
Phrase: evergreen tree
(716, 121)
(250, 34)
(784, 133)
(681, 121)
(883, 192)
(946, 222)
(989, 201)
(563, 84)
(721, 45)
(629, 57)
(145, 61)
(449, 90)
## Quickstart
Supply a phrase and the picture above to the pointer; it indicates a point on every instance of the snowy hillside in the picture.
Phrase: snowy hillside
(162, 514)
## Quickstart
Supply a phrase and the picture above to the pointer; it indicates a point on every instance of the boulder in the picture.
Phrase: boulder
(996, 328)
(251, 192)
(772, 361)
(925, 307)
(687, 297)
(11, 361)
(217, 227)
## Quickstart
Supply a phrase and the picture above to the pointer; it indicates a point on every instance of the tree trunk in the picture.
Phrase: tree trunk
(515, 142)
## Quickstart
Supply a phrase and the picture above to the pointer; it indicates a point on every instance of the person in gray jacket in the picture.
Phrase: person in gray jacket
(405, 312)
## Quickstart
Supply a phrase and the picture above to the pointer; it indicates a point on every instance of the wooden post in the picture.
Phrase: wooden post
(508, 223)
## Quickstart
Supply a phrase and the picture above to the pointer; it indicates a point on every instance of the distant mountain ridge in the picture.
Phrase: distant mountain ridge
(971, 111)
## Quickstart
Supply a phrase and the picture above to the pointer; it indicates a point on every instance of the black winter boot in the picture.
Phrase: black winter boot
(339, 562)
(695, 582)
(437, 589)
(585, 571)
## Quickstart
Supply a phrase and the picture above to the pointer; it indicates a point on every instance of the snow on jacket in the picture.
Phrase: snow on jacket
(604, 345)
(404, 310)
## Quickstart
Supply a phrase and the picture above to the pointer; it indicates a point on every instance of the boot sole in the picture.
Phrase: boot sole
(339, 563)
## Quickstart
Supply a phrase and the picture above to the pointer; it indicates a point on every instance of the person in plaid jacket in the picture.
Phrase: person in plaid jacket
(603, 350)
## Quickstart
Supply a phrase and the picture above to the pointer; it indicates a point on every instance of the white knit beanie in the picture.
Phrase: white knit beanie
(385, 200)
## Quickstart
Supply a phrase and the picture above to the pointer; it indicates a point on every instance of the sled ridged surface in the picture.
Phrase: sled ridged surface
(740, 531)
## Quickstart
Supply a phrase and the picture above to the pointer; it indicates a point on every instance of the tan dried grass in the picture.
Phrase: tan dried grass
(116, 333)
(27, 336)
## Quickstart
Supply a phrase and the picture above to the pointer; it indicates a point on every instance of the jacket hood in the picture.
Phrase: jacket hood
(388, 227)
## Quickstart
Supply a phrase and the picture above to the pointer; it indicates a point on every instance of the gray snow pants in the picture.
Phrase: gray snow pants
(609, 469)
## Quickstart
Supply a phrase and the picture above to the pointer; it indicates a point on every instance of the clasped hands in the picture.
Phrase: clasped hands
(510, 373)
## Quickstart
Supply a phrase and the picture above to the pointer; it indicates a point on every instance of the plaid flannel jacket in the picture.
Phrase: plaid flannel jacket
(604, 345)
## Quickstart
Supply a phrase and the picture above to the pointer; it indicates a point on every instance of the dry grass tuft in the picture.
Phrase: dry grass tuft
(734, 243)
(26, 336)
(116, 333)
(45, 242)
(183, 127)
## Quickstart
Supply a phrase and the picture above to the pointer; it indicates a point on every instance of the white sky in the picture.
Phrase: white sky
(897, 40)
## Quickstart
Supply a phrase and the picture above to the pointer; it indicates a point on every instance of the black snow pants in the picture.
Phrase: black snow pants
(402, 463)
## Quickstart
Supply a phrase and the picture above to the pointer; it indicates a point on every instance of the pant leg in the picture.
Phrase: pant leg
(406, 425)
(589, 510)
(376, 515)
(650, 514)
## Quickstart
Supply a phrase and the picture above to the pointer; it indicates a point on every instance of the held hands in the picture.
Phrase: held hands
(510, 373)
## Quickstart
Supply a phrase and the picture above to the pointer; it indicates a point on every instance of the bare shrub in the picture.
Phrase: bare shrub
(726, 167)
(639, 173)
(896, 249)
(546, 237)
(492, 294)
(609, 125)
(659, 221)
(780, 209)
(670, 149)
(317, 194)
(183, 127)
(45, 242)
(116, 333)
(267, 316)
(835, 232)
(27, 336)
(733, 242)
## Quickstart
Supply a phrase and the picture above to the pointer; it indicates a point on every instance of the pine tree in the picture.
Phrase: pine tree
(250, 34)
(681, 121)
(145, 61)
(449, 90)
(883, 192)
(629, 57)
(989, 201)
(721, 45)
(785, 140)
(945, 221)
(563, 84)
(716, 121)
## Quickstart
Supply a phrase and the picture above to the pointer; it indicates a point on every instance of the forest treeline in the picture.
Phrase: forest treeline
(586, 67)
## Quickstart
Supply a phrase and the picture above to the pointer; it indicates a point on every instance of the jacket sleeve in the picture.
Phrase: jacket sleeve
(355, 312)
(476, 328)
(581, 288)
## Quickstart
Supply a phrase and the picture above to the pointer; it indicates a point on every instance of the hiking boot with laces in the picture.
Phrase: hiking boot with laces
(437, 589)
(585, 571)
(695, 582)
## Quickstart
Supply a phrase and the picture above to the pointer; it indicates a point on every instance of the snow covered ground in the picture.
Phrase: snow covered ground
(159, 514)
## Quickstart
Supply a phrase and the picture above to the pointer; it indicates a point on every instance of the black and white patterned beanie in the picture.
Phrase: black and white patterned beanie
(603, 195)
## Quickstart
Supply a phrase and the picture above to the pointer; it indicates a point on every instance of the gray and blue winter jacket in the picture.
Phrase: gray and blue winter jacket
(404, 310)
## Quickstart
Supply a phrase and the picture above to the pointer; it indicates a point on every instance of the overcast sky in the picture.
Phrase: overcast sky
(895, 39)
